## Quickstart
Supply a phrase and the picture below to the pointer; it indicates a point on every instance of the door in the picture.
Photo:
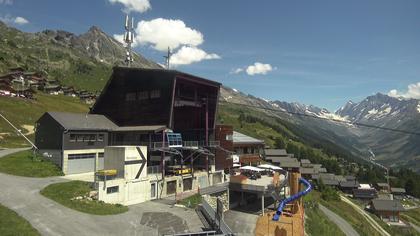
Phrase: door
(153, 191)
(81, 163)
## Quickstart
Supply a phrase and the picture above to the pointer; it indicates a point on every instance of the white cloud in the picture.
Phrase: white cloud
(413, 91)
(20, 20)
(6, 2)
(188, 55)
(8, 19)
(163, 33)
(133, 5)
(236, 71)
(258, 68)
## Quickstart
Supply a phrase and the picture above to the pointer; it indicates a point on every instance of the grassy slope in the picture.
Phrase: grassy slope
(412, 216)
(12, 224)
(26, 112)
(317, 222)
(64, 192)
(24, 164)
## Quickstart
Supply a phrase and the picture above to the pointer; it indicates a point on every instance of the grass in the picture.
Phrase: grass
(12, 224)
(349, 214)
(317, 222)
(412, 215)
(64, 192)
(24, 164)
(26, 112)
(394, 230)
(191, 201)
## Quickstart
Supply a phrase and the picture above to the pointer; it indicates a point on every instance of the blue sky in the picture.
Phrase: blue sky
(320, 52)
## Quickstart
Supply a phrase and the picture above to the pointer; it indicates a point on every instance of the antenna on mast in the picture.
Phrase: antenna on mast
(129, 39)
(168, 58)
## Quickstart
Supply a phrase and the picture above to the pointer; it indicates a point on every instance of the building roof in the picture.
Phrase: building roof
(382, 184)
(322, 170)
(387, 205)
(397, 190)
(350, 177)
(349, 184)
(290, 164)
(239, 138)
(308, 171)
(305, 161)
(275, 152)
(365, 193)
(82, 121)
(330, 182)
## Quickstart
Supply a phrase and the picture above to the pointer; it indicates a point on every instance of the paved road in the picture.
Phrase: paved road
(340, 222)
(243, 224)
(21, 194)
(368, 218)
(6, 152)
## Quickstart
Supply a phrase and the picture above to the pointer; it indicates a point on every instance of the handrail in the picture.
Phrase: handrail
(211, 213)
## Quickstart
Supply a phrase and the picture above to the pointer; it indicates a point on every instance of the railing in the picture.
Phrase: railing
(204, 233)
(190, 143)
(210, 213)
(153, 170)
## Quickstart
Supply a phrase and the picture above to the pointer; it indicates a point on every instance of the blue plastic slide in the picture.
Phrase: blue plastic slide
(283, 203)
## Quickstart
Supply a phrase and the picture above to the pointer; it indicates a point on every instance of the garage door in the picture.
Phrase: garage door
(80, 163)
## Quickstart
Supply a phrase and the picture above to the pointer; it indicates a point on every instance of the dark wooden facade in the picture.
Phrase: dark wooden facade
(182, 102)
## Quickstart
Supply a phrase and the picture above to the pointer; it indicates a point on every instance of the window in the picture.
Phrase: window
(174, 139)
(229, 137)
(86, 137)
(130, 97)
(113, 189)
(100, 137)
(72, 138)
(100, 155)
(81, 156)
(92, 137)
(155, 94)
(79, 138)
(143, 95)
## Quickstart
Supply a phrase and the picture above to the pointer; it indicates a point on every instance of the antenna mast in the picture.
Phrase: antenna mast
(129, 39)
(168, 58)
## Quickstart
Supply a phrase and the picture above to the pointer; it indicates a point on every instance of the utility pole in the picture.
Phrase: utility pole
(168, 58)
(129, 39)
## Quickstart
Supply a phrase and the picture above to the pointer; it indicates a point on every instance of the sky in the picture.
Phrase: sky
(323, 53)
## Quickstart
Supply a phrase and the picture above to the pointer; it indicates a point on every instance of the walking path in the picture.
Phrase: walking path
(368, 218)
(340, 222)
(21, 194)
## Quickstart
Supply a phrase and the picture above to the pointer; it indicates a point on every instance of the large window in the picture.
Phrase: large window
(73, 137)
(143, 95)
(155, 93)
(113, 189)
(81, 156)
(130, 97)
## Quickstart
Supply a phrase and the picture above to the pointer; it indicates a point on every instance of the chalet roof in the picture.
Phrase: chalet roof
(330, 182)
(290, 164)
(308, 171)
(155, 128)
(305, 161)
(350, 177)
(322, 170)
(275, 152)
(365, 193)
(382, 184)
(239, 138)
(387, 205)
(397, 190)
(349, 184)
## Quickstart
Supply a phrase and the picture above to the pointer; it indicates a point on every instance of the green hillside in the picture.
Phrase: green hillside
(23, 114)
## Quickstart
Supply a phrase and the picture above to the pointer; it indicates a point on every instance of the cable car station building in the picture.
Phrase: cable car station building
(170, 113)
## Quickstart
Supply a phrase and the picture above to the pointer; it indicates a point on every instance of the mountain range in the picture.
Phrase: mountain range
(85, 61)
